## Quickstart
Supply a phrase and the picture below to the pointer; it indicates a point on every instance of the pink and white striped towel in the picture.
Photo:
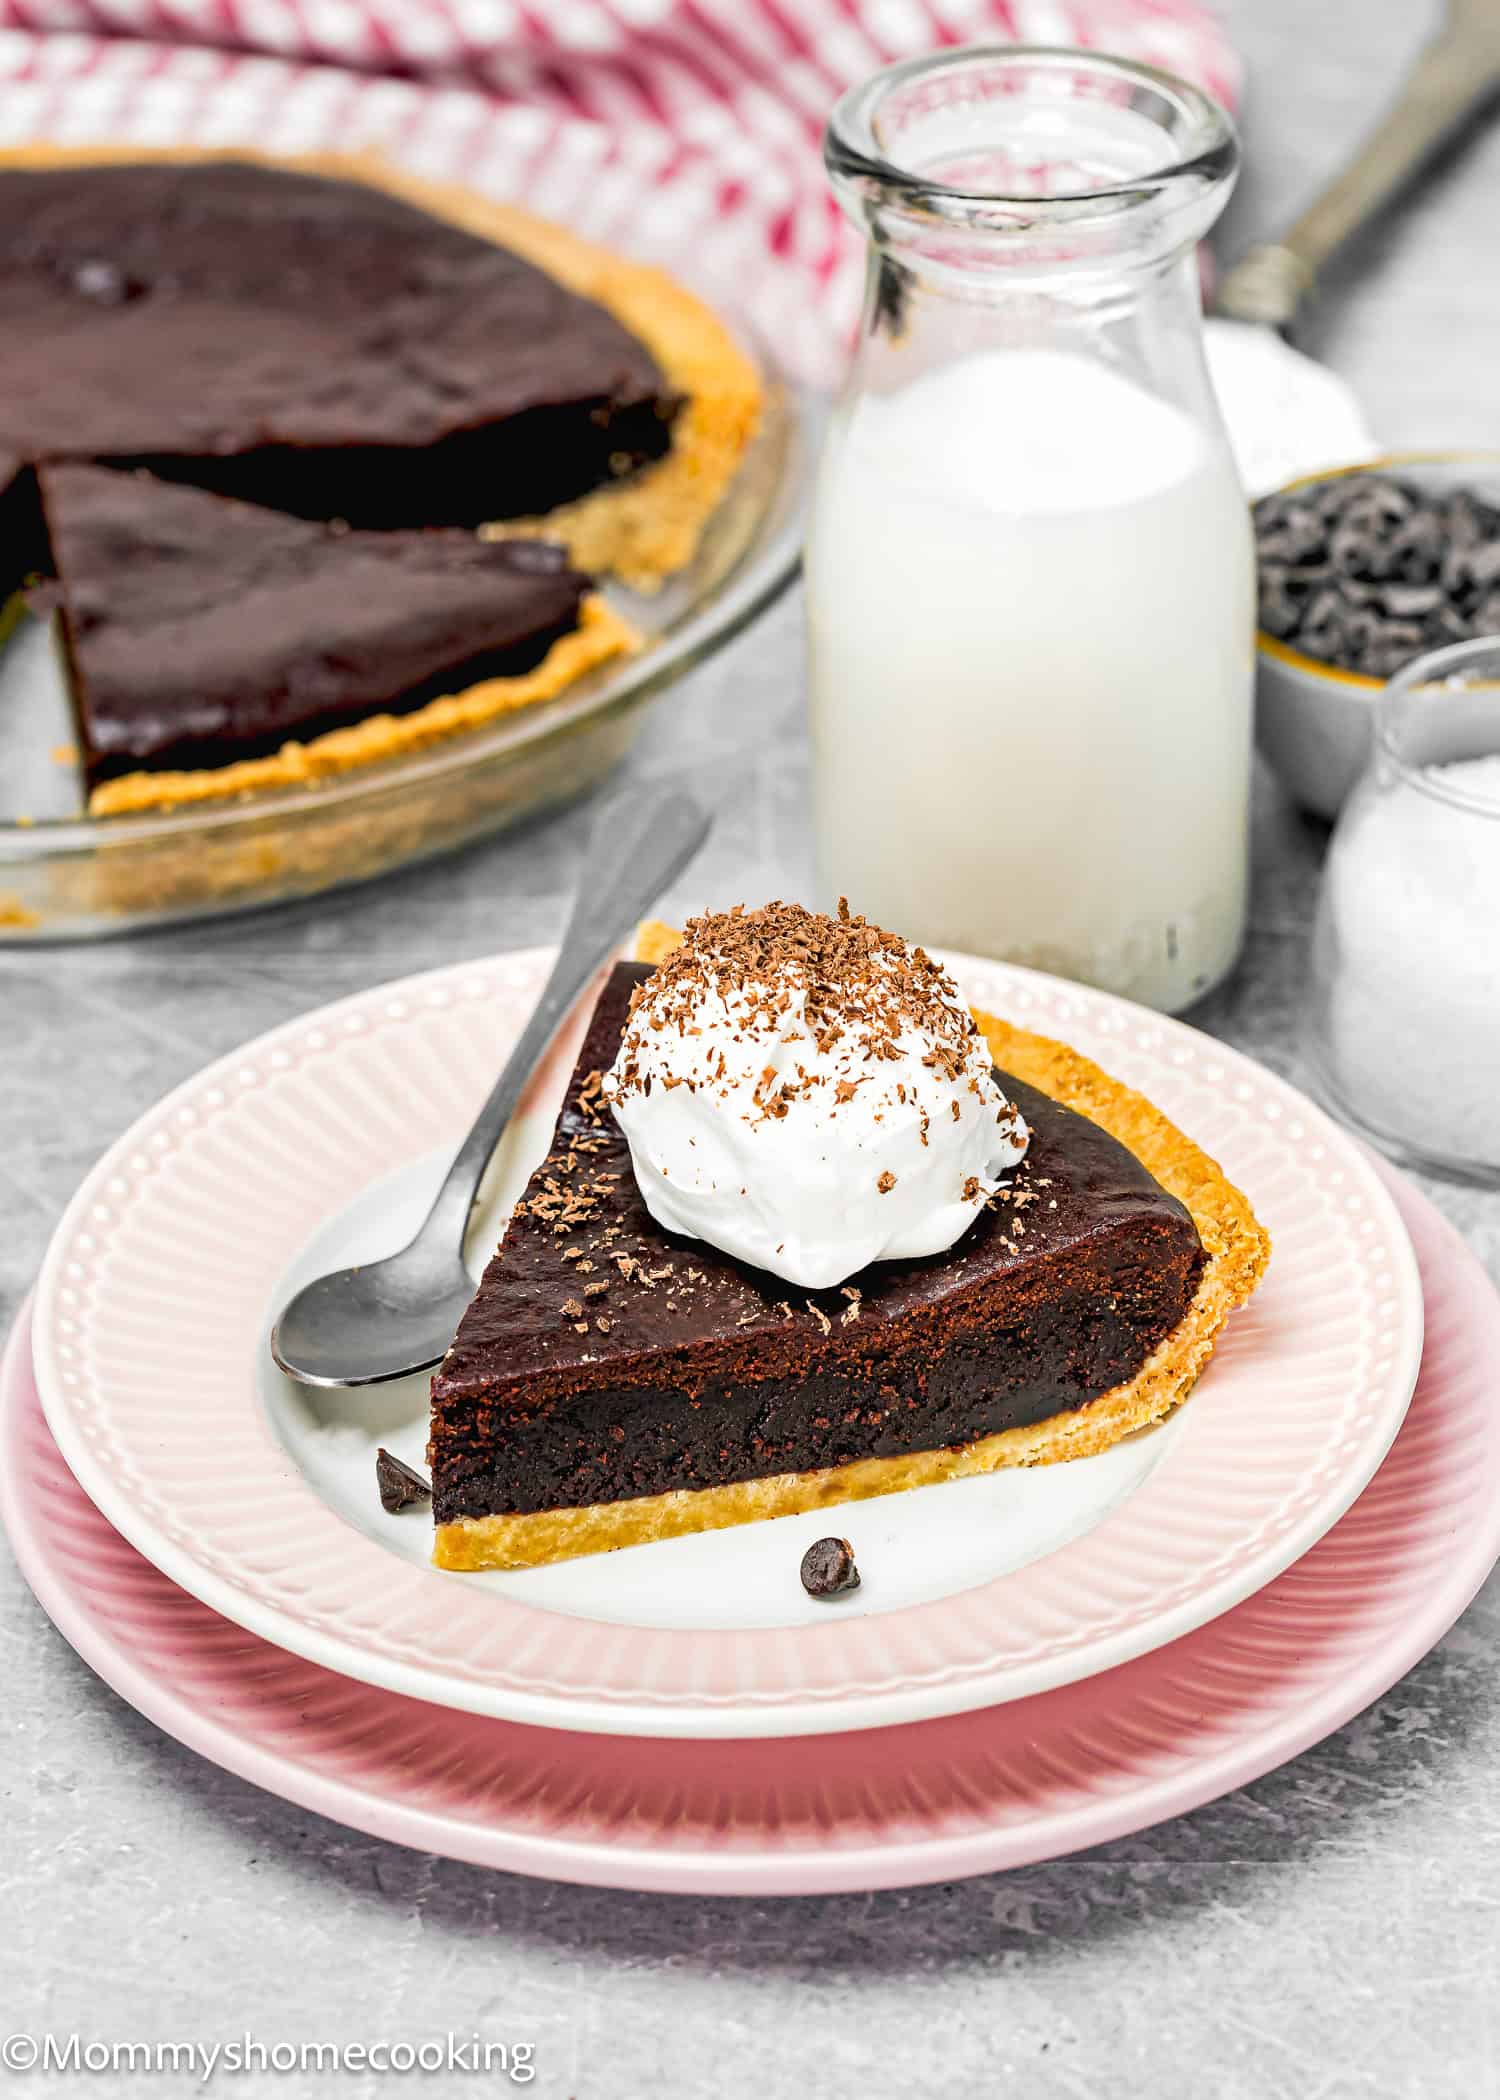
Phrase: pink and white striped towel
(686, 131)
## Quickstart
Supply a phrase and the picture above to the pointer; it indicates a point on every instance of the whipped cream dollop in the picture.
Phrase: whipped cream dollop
(809, 1095)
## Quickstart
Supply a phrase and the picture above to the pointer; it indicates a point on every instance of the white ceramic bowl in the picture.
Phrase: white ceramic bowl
(1313, 721)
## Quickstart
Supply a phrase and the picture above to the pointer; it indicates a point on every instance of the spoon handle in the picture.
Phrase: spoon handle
(639, 843)
(1453, 77)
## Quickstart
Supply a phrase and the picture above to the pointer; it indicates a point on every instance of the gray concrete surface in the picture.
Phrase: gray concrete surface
(1331, 1931)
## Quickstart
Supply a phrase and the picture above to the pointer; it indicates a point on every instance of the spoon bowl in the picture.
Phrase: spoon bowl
(339, 1330)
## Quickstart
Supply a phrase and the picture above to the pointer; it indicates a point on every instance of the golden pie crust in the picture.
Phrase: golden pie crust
(641, 531)
(648, 527)
(1237, 1247)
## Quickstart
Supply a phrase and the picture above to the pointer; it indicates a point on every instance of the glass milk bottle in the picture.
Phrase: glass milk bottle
(1030, 579)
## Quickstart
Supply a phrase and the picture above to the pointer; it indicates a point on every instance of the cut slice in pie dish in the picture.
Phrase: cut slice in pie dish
(614, 1384)
(215, 647)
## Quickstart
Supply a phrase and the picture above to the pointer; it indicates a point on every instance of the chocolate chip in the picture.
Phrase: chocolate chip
(1280, 615)
(1483, 563)
(828, 1568)
(1406, 601)
(1350, 548)
(400, 1485)
(1418, 548)
(1401, 634)
(1449, 625)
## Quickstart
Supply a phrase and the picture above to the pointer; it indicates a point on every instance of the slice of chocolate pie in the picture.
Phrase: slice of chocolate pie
(213, 645)
(617, 1381)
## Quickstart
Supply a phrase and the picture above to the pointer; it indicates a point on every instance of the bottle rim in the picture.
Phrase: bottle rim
(1199, 137)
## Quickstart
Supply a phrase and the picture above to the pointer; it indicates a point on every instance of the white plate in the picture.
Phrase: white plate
(320, 1143)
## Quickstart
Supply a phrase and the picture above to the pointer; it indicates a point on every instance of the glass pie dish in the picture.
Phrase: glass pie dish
(67, 876)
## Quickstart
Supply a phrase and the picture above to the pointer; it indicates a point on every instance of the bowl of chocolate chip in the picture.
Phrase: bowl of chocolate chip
(1361, 571)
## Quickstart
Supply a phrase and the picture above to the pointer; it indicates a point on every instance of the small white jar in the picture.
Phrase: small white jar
(1405, 1003)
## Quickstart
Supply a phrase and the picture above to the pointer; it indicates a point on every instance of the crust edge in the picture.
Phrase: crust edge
(600, 635)
(1238, 1250)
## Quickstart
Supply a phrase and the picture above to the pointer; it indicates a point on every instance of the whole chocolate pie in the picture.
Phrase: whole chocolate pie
(340, 343)
(614, 1382)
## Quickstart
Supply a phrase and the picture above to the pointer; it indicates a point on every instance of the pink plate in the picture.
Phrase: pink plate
(318, 1144)
(928, 1802)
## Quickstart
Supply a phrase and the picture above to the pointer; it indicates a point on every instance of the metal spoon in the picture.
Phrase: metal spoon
(1453, 79)
(389, 1318)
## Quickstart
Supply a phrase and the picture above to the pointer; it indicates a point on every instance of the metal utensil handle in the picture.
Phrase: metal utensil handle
(1454, 74)
(638, 846)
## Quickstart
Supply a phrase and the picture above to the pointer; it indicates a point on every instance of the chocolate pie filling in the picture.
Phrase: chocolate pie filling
(318, 346)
